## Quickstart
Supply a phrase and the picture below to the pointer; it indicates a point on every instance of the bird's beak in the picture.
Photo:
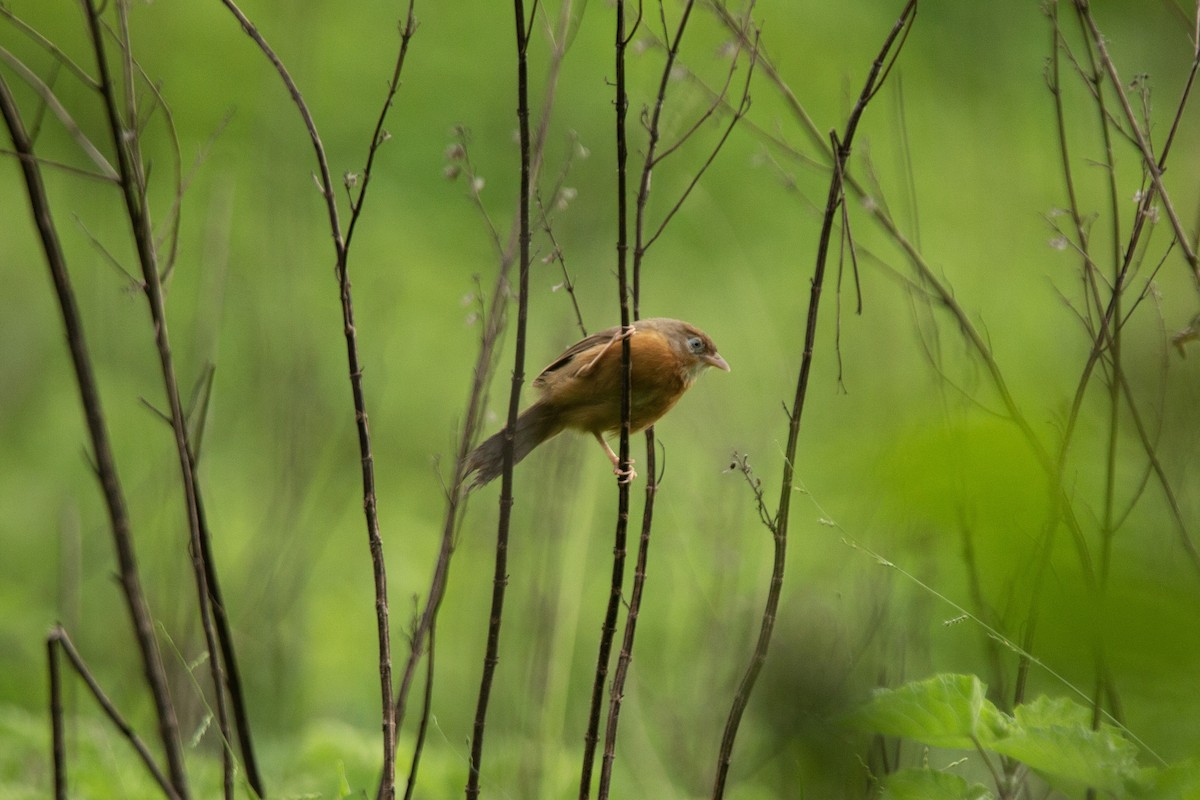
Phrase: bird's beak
(715, 360)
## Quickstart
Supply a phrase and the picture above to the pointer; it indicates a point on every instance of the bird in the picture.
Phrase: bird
(581, 390)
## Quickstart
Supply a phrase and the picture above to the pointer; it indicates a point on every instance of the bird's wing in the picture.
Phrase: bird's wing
(568, 356)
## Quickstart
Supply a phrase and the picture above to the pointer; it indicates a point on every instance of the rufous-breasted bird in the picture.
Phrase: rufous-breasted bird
(581, 390)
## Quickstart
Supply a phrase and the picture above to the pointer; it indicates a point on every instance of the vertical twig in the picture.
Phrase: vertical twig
(625, 655)
(841, 148)
(58, 640)
(609, 628)
(1108, 341)
(1152, 165)
(493, 320)
(106, 467)
(58, 737)
(641, 244)
(426, 708)
(367, 459)
(500, 577)
(379, 135)
(126, 144)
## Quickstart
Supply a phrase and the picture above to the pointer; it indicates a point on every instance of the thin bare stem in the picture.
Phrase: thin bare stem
(69, 168)
(59, 641)
(492, 323)
(126, 145)
(557, 255)
(500, 575)
(379, 135)
(105, 463)
(52, 102)
(608, 628)
(366, 457)
(625, 655)
(426, 710)
(1148, 159)
(841, 148)
(58, 737)
(50, 47)
(653, 127)
(653, 157)
(738, 114)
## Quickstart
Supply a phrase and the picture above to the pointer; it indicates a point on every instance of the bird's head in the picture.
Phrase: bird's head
(695, 349)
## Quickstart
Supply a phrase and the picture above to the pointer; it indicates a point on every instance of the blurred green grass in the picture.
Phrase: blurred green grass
(898, 460)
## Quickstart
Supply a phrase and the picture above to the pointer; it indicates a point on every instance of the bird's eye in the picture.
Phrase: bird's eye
(695, 344)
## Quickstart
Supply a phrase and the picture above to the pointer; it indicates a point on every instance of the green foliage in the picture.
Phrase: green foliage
(928, 784)
(1054, 737)
(947, 711)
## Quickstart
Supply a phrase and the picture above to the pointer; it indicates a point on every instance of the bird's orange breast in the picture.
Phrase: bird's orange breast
(586, 391)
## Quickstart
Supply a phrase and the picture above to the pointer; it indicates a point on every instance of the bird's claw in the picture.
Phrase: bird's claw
(625, 476)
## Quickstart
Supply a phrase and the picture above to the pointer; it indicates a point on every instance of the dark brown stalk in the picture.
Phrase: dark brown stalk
(58, 737)
(126, 145)
(653, 133)
(642, 243)
(652, 158)
(233, 677)
(942, 296)
(427, 706)
(106, 467)
(841, 148)
(494, 319)
(608, 630)
(500, 576)
(493, 324)
(58, 640)
(367, 459)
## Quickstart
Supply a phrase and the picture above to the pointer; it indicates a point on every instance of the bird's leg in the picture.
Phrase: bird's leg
(624, 333)
(625, 475)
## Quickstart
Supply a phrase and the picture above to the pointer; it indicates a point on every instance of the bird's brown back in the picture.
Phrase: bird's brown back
(584, 384)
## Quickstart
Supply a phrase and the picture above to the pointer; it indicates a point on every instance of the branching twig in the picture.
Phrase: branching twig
(500, 575)
(58, 641)
(106, 468)
(130, 167)
(52, 102)
(556, 255)
(653, 157)
(379, 135)
(879, 69)
(340, 246)
(1151, 163)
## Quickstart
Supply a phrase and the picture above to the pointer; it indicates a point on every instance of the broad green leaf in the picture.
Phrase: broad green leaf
(1055, 738)
(949, 711)
(927, 784)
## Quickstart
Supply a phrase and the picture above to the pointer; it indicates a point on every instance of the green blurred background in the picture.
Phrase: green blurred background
(905, 457)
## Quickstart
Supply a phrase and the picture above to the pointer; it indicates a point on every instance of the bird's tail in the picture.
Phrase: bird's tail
(535, 425)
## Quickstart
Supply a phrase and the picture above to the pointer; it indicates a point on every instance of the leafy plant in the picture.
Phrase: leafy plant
(1053, 736)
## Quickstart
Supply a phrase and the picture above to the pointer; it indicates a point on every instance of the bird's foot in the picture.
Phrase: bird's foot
(625, 476)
